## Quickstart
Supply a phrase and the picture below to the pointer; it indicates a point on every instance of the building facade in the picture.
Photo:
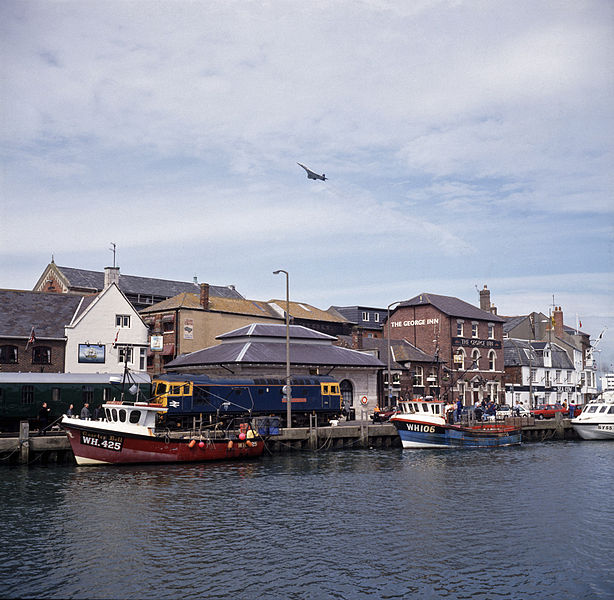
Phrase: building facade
(466, 341)
(105, 335)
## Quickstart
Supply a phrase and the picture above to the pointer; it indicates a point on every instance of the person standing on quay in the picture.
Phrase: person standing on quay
(459, 409)
(43, 418)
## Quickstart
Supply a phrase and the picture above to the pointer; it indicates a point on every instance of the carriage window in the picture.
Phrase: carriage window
(1, 398)
(135, 415)
(87, 394)
(56, 394)
(27, 394)
(122, 415)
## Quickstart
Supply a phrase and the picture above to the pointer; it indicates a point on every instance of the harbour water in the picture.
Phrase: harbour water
(534, 521)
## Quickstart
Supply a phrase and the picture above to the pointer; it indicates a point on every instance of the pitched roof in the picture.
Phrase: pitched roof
(237, 306)
(453, 307)
(264, 344)
(132, 284)
(531, 353)
(402, 351)
(48, 313)
(301, 310)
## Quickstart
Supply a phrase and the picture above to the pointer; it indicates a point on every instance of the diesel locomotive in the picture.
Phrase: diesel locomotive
(206, 398)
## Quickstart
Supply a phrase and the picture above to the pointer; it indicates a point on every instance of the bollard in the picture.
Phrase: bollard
(24, 442)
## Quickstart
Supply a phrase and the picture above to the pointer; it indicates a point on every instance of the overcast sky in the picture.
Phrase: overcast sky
(466, 143)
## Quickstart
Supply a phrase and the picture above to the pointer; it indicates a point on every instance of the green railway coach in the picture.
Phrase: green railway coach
(22, 394)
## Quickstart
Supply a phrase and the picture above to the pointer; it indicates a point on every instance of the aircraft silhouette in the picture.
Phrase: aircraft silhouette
(311, 174)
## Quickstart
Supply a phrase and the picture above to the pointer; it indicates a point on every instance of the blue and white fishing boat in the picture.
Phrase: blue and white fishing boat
(429, 424)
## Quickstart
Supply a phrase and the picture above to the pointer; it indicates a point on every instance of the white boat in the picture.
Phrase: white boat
(128, 435)
(596, 421)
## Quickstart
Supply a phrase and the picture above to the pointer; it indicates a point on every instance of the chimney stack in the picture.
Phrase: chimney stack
(558, 321)
(485, 299)
(356, 338)
(111, 276)
(204, 295)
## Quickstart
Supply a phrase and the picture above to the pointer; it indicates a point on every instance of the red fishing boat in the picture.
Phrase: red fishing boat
(127, 435)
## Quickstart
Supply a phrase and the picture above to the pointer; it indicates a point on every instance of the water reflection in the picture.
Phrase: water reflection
(506, 523)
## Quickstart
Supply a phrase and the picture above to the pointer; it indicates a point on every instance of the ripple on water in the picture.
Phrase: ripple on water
(359, 524)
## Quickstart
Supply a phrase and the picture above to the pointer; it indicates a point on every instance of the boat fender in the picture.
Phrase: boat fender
(230, 444)
(242, 436)
(192, 444)
(201, 444)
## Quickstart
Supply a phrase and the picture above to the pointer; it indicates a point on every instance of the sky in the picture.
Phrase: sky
(465, 144)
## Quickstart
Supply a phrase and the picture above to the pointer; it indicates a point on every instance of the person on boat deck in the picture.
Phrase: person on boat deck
(477, 411)
(449, 412)
(459, 409)
(98, 413)
(491, 410)
(69, 412)
(85, 411)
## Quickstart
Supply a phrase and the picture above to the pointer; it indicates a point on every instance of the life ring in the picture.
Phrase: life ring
(364, 401)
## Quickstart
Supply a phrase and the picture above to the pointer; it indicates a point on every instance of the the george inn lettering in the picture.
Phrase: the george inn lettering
(414, 323)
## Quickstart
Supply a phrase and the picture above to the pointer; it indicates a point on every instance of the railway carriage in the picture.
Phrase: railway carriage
(22, 394)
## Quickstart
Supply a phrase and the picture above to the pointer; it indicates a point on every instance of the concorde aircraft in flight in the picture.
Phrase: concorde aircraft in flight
(311, 174)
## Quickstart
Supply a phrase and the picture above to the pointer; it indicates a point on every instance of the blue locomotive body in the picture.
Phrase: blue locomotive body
(197, 396)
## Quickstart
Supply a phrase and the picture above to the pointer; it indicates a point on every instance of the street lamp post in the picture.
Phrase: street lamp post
(288, 387)
(388, 391)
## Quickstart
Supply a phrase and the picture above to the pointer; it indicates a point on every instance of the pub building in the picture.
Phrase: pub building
(467, 341)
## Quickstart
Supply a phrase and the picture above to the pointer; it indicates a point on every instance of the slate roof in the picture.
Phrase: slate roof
(452, 307)
(402, 352)
(264, 344)
(147, 286)
(531, 353)
(48, 313)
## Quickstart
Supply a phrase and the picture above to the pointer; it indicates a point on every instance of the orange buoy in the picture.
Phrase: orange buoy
(192, 444)
(230, 444)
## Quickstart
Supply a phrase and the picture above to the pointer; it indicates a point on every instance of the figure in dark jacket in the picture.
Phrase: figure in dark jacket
(43, 418)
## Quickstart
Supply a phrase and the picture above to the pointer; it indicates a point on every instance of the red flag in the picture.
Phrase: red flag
(32, 339)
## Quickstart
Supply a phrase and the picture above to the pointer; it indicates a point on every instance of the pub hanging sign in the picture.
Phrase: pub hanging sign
(476, 343)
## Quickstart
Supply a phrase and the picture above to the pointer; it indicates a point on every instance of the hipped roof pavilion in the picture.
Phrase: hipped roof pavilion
(261, 344)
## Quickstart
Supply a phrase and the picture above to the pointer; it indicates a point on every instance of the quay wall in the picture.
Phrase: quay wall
(54, 448)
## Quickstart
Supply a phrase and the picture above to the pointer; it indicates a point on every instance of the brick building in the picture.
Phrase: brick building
(467, 341)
